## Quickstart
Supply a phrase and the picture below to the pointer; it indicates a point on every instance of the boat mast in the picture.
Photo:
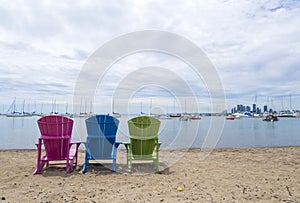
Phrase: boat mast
(67, 108)
(52, 108)
(85, 106)
(80, 110)
(150, 106)
(91, 107)
(56, 108)
(141, 107)
(12, 107)
(34, 107)
(23, 107)
(174, 106)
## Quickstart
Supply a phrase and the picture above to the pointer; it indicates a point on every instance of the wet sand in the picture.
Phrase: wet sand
(225, 175)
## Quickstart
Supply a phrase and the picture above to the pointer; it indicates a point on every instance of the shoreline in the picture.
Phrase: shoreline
(181, 149)
(264, 174)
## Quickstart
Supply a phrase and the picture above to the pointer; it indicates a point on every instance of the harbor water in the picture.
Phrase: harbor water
(23, 132)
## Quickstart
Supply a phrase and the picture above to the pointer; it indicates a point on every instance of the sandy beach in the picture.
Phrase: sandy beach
(226, 175)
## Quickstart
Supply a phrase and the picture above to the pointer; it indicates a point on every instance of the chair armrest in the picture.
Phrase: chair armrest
(52, 138)
(158, 145)
(39, 144)
(75, 142)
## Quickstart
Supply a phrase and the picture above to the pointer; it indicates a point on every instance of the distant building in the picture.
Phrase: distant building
(248, 108)
(258, 111)
(241, 108)
(265, 108)
(254, 108)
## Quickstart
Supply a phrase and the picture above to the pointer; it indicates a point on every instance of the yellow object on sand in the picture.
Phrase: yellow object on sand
(179, 188)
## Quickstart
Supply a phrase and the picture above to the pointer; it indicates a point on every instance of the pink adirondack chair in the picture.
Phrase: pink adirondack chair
(55, 136)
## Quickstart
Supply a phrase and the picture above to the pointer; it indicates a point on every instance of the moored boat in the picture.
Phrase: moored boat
(116, 115)
(296, 113)
(230, 117)
(164, 117)
(271, 118)
(195, 117)
(175, 115)
(184, 118)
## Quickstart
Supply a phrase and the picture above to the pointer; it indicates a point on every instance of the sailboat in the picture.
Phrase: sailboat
(13, 110)
(142, 113)
(84, 113)
(270, 117)
(175, 115)
(115, 114)
(296, 113)
(23, 111)
(150, 112)
(67, 113)
(40, 114)
(185, 116)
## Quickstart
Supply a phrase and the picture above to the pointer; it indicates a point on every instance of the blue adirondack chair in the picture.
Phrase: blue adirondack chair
(101, 139)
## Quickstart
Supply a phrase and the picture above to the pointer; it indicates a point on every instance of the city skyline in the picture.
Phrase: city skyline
(282, 103)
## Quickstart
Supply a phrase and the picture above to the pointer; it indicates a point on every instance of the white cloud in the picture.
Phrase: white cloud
(254, 45)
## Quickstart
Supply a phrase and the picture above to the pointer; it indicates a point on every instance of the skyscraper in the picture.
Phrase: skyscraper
(248, 108)
(265, 108)
(254, 108)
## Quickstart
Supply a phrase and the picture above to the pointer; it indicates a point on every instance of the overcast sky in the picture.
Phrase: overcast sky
(254, 45)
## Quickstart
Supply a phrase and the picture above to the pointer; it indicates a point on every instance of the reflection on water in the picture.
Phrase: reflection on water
(22, 133)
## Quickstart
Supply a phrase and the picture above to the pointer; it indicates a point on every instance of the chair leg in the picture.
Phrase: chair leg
(86, 163)
(39, 163)
(114, 157)
(84, 167)
(157, 165)
(114, 165)
(74, 161)
(129, 163)
(76, 155)
(38, 168)
(68, 168)
(157, 159)
(68, 165)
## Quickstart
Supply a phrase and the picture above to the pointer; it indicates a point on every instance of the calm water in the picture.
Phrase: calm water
(22, 133)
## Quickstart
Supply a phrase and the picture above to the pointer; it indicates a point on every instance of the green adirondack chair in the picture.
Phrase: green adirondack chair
(143, 143)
